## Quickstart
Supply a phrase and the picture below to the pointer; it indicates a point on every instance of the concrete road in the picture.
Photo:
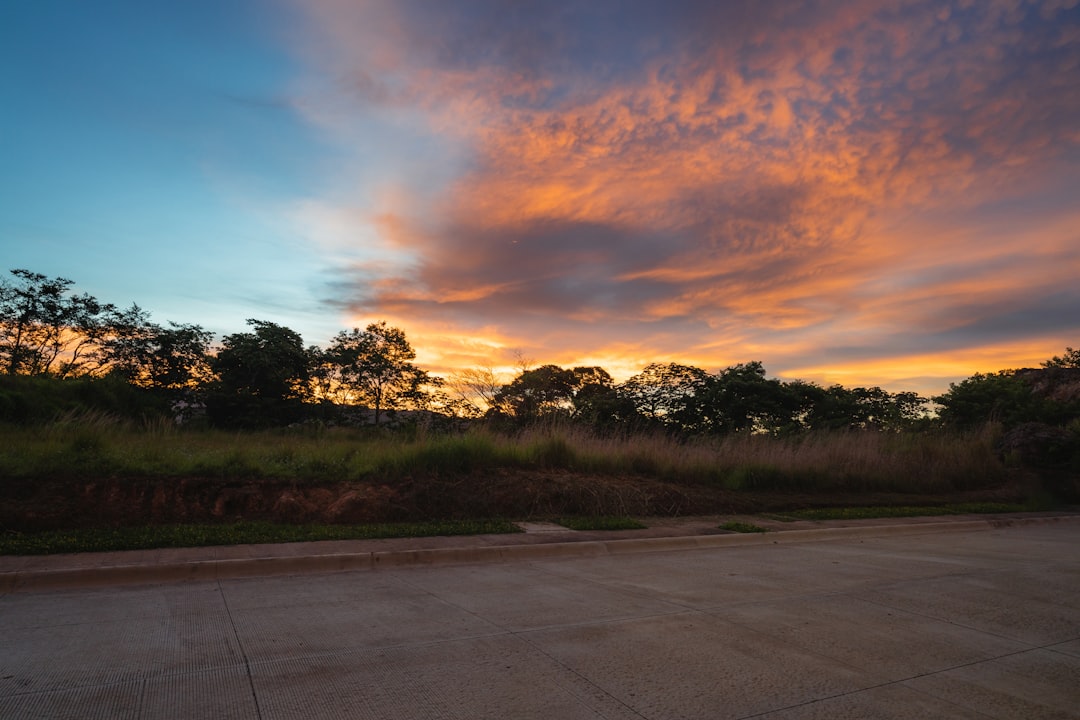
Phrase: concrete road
(977, 624)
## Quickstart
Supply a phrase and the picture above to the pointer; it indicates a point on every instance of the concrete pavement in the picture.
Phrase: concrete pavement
(541, 540)
(972, 618)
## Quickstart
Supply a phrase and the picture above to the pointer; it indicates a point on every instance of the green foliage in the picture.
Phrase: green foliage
(994, 397)
(553, 452)
(741, 527)
(372, 367)
(601, 523)
(444, 455)
(1014, 397)
(262, 378)
(174, 536)
(759, 477)
(840, 408)
(739, 398)
(39, 399)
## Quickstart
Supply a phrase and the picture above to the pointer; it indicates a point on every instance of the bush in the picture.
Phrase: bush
(26, 400)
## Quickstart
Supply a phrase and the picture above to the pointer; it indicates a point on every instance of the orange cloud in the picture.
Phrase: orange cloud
(720, 182)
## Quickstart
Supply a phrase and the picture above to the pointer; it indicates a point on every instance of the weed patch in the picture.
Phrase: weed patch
(171, 536)
(601, 523)
(741, 527)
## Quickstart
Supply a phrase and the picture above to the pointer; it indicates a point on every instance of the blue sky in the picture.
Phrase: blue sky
(855, 192)
(151, 155)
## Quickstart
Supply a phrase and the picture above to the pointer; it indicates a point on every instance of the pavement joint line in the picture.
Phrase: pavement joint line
(234, 568)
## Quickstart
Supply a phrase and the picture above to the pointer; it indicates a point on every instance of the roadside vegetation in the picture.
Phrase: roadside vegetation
(96, 445)
(901, 511)
(601, 523)
(100, 405)
(242, 533)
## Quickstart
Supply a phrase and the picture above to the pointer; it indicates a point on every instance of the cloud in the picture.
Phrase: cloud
(746, 170)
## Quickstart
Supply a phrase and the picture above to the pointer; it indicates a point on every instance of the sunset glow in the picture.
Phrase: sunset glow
(856, 192)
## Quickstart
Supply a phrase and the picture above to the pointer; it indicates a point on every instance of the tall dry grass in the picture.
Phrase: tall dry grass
(81, 446)
(915, 462)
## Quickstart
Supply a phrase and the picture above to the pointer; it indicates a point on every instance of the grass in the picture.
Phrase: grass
(174, 536)
(601, 523)
(862, 513)
(741, 527)
(98, 445)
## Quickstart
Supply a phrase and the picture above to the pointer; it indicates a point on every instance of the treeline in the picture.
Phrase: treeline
(263, 377)
(266, 376)
(687, 400)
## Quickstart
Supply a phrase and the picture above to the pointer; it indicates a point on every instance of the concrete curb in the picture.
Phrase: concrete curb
(208, 570)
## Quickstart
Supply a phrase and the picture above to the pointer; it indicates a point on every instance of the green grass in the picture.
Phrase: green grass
(741, 527)
(173, 536)
(601, 523)
(861, 513)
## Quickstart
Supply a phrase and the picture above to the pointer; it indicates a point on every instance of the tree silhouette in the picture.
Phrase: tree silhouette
(546, 391)
(262, 377)
(663, 392)
(475, 390)
(176, 357)
(45, 329)
(374, 367)
(739, 399)
(1069, 359)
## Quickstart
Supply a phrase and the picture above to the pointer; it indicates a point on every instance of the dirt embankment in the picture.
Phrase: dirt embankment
(67, 504)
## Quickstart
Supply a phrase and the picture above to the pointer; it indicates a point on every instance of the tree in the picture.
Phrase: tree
(475, 391)
(176, 357)
(992, 397)
(374, 367)
(839, 408)
(591, 386)
(262, 377)
(45, 329)
(584, 394)
(741, 399)
(598, 403)
(662, 392)
(546, 391)
(1069, 359)
(908, 410)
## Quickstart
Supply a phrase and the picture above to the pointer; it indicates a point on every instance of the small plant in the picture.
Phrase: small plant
(601, 523)
(741, 527)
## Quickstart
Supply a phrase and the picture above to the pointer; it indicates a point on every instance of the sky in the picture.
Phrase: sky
(864, 193)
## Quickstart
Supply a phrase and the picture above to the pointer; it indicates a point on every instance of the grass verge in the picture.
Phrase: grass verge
(863, 513)
(175, 536)
(601, 523)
